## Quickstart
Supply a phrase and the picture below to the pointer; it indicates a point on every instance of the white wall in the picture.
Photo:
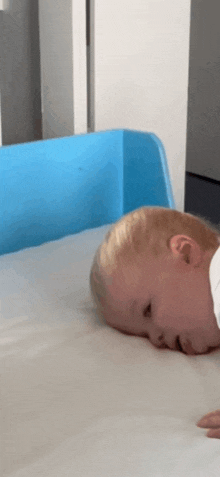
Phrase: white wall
(1, 25)
(141, 56)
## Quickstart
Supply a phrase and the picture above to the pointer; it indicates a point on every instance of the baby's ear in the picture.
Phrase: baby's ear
(186, 248)
(178, 245)
(177, 242)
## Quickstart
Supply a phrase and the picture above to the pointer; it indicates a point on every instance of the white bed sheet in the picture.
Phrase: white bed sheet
(81, 399)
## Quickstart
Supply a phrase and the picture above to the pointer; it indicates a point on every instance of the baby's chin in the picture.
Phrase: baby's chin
(209, 350)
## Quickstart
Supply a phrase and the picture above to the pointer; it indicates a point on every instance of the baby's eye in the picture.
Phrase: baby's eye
(147, 310)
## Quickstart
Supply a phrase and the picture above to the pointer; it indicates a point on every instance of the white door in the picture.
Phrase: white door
(141, 62)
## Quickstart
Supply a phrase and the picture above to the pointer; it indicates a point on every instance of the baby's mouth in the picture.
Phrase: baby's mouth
(178, 344)
(186, 348)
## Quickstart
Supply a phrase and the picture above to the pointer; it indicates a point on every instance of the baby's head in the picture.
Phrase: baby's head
(150, 277)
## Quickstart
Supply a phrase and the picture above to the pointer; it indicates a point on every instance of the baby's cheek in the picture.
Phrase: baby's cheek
(167, 321)
(119, 290)
(113, 313)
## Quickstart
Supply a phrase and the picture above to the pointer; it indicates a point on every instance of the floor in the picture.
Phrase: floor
(202, 196)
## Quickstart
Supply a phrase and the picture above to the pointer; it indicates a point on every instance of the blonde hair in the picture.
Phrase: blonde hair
(145, 231)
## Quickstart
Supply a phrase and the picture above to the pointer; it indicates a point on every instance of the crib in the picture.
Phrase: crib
(79, 398)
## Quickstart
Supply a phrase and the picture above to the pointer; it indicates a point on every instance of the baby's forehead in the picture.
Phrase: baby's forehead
(125, 291)
(132, 273)
(134, 283)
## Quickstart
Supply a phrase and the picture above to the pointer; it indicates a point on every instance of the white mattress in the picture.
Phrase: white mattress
(81, 399)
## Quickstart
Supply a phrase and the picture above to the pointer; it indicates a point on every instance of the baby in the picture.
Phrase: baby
(157, 275)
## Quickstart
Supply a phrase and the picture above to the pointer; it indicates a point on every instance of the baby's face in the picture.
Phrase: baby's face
(168, 301)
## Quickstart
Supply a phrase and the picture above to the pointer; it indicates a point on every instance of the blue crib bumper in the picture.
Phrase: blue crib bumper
(56, 187)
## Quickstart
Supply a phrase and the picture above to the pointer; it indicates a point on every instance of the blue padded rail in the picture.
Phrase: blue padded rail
(56, 187)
